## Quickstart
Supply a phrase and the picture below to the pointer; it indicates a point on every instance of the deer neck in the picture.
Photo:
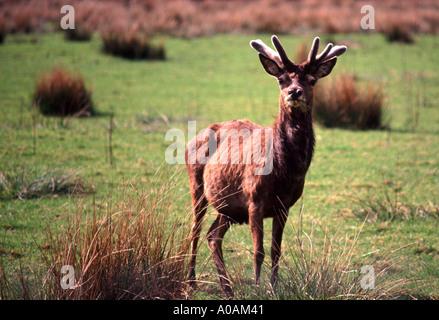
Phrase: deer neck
(293, 140)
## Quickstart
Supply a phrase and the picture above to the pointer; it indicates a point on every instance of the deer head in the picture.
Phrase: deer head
(296, 82)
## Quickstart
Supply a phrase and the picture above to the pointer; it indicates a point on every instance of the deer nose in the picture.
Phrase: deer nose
(295, 92)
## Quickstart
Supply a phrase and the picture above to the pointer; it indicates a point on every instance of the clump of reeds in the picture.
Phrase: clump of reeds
(23, 20)
(130, 43)
(329, 271)
(382, 208)
(397, 31)
(80, 33)
(389, 203)
(25, 183)
(135, 246)
(84, 26)
(327, 267)
(59, 93)
(3, 31)
(345, 104)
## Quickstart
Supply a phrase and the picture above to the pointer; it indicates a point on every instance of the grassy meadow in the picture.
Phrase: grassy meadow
(371, 197)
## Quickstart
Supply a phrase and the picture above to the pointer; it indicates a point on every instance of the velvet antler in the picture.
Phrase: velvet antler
(280, 57)
(328, 53)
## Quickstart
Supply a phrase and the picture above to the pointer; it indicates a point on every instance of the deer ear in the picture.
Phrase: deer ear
(270, 66)
(325, 68)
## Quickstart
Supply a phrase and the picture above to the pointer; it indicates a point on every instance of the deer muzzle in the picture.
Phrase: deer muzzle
(295, 100)
(295, 94)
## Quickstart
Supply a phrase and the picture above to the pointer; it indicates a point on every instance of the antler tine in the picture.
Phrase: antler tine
(314, 49)
(329, 52)
(280, 57)
(265, 50)
(335, 52)
(325, 52)
(283, 55)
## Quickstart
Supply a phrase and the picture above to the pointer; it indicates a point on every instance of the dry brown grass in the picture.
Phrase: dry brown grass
(23, 20)
(131, 43)
(84, 27)
(343, 103)
(59, 93)
(398, 27)
(3, 31)
(131, 250)
(189, 19)
(390, 201)
(25, 183)
(134, 246)
(318, 265)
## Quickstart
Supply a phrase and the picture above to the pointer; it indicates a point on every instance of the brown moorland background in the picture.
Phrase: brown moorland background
(190, 19)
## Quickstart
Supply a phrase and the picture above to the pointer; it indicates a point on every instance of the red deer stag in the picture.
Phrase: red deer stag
(233, 188)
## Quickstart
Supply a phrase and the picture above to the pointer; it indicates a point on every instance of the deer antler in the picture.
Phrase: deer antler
(328, 53)
(280, 57)
(288, 64)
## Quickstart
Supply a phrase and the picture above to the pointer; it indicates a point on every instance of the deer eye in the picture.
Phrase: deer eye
(280, 80)
(312, 81)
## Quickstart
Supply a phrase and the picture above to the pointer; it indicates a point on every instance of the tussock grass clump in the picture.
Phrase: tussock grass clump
(382, 209)
(400, 29)
(326, 267)
(398, 32)
(59, 93)
(131, 247)
(2, 28)
(344, 104)
(80, 33)
(130, 43)
(332, 271)
(84, 26)
(25, 183)
(389, 202)
(23, 20)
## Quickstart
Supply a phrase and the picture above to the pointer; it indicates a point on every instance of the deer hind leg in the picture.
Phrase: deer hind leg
(214, 239)
(277, 231)
(200, 206)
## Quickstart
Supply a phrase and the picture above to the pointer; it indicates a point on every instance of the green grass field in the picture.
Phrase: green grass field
(216, 79)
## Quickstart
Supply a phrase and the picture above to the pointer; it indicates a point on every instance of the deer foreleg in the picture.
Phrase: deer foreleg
(257, 232)
(277, 231)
